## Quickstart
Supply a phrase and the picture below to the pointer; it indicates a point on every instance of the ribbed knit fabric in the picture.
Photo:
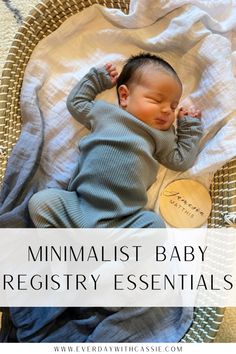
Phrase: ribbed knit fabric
(118, 163)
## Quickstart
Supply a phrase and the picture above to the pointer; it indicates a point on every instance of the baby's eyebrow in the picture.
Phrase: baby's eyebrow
(174, 101)
(164, 96)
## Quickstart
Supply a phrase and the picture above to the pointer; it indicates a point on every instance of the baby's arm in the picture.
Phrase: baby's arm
(81, 99)
(178, 152)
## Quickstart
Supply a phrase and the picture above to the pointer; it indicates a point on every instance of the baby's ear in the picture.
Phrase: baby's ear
(123, 93)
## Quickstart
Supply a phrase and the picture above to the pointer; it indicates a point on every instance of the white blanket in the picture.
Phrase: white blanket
(196, 37)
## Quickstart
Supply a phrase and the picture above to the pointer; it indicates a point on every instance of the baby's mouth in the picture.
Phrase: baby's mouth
(160, 120)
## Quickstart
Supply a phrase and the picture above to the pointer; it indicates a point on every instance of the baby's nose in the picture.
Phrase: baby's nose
(166, 109)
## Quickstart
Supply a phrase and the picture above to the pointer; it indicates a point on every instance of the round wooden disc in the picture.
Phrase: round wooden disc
(185, 203)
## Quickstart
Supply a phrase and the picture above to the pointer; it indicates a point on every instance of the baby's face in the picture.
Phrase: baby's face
(153, 99)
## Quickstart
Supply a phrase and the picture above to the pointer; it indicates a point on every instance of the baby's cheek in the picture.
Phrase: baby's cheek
(174, 114)
(172, 118)
(155, 109)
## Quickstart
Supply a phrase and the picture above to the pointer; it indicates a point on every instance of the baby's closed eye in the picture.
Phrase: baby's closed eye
(154, 100)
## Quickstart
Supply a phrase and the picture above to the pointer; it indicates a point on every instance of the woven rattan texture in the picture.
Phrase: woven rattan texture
(43, 20)
(223, 193)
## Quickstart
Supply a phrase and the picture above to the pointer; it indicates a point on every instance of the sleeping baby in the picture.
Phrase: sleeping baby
(119, 159)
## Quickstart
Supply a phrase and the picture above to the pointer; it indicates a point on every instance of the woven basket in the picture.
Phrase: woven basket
(45, 18)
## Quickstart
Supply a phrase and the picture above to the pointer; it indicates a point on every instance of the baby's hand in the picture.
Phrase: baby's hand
(111, 69)
(191, 111)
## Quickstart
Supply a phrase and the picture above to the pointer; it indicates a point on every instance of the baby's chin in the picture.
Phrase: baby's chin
(161, 127)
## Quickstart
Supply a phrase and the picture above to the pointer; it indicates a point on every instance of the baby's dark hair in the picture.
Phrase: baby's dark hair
(132, 69)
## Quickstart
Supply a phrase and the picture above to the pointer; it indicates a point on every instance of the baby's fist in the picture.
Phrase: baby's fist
(191, 111)
(111, 69)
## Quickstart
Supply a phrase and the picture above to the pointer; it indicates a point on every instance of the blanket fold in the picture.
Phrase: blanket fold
(99, 325)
